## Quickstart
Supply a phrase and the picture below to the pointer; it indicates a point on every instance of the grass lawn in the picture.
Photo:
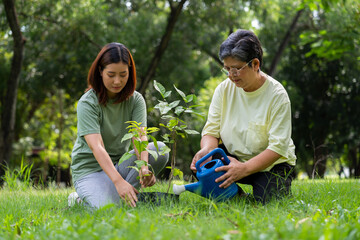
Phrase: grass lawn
(317, 209)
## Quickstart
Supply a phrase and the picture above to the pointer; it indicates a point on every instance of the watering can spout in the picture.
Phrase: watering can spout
(192, 187)
(178, 189)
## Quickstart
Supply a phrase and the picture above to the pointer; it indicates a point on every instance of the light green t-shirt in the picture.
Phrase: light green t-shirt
(107, 120)
(250, 122)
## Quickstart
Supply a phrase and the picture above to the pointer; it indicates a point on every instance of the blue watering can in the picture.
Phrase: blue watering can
(206, 186)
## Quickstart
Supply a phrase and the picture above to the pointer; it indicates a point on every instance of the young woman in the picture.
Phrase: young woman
(108, 103)
(250, 113)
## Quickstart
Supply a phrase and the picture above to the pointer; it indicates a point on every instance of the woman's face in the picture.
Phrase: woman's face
(243, 77)
(115, 77)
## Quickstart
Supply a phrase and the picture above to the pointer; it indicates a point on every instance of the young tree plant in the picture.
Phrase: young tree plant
(172, 113)
(135, 133)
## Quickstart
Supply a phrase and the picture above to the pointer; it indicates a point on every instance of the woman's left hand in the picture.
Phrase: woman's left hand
(147, 178)
(235, 171)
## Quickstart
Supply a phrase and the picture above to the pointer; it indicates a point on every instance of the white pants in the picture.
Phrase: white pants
(97, 190)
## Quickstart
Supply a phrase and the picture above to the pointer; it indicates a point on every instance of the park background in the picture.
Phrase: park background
(47, 47)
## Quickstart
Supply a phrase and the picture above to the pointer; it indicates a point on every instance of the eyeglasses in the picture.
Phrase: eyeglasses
(234, 71)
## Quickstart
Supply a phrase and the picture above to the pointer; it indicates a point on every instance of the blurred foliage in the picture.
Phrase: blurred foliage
(320, 66)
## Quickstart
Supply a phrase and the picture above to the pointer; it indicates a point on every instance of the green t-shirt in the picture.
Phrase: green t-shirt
(107, 120)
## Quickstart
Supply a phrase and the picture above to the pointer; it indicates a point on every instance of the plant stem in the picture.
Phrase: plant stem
(173, 155)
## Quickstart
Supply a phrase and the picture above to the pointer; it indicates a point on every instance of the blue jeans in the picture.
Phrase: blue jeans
(97, 190)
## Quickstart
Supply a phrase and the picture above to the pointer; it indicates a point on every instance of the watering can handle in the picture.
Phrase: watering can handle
(216, 150)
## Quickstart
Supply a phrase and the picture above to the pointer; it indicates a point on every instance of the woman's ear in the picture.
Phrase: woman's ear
(100, 71)
(256, 64)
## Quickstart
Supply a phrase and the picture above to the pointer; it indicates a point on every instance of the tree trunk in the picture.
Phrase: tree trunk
(284, 43)
(173, 17)
(354, 161)
(9, 104)
(61, 130)
(320, 159)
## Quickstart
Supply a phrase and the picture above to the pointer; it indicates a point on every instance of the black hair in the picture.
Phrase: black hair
(242, 44)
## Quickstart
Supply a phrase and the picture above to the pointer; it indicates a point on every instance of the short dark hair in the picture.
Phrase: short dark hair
(112, 53)
(242, 44)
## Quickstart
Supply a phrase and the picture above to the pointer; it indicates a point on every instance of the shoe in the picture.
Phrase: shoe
(73, 199)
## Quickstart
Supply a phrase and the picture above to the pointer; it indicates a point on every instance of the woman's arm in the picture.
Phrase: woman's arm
(237, 170)
(126, 191)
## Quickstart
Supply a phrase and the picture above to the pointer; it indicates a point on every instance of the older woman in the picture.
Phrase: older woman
(250, 115)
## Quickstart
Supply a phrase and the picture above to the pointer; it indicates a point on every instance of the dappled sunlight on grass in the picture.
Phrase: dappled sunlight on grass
(327, 209)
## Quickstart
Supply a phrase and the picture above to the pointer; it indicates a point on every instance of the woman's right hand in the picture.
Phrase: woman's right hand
(127, 192)
(202, 152)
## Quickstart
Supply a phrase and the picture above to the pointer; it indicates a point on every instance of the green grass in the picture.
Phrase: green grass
(317, 209)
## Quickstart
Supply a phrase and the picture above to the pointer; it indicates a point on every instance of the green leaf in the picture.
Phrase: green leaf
(181, 134)
(189, 98)
(167, 116)
(137, 145)
(127, 137)
(140, 163)
(153, 153)
(160, 88)
(174, 104)
(179, 110)
(168, 93)
(180, 93)
(178, 128)
(165, 149)
(134, 167)
(163, 107)
(312, 6)
(172, 123)
(178, 172)
(125, 157)
(154, 141)
(152, 129)
(194, 106)
(188, 131)
(166, 137)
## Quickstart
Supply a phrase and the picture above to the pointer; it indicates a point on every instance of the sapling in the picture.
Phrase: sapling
(135, 133)
(172, 113)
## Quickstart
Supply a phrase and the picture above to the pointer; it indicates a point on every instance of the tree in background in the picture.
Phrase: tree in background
(323, 83)
(63, 37)
(9, 93)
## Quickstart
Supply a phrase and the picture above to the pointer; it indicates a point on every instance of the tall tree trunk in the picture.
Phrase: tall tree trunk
(173, 17)
(320, 158)
(320, 161)
(284, 43)
(354, 161)
(9, 104)
(61, 130)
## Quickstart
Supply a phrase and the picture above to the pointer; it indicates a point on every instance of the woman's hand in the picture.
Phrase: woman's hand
(127, 192)
(207, 144)
(202, 152)
(237, 170)
(234, 171)
(147, 178)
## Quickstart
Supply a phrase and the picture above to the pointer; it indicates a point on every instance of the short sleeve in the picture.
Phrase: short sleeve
(88, 115)
(212, 126)
(280, 129)
(139, 110)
